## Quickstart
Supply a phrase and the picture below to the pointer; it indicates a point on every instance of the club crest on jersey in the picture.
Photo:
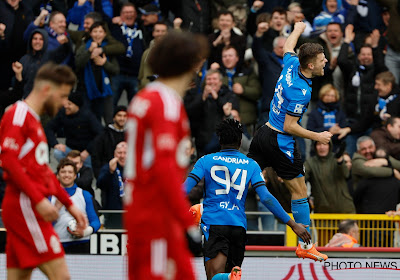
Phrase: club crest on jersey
(139, 106)
(183, 152)
(42, 153)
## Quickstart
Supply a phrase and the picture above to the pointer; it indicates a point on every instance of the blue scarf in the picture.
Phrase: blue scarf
(130, 35)
(382, 103)
(120, 182)
(230, 74)
(90, 82)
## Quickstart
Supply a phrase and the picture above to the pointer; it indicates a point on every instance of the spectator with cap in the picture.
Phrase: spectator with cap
(79, 126)
(146, 75)
(111, 182)
(105, 142)
(150, 16)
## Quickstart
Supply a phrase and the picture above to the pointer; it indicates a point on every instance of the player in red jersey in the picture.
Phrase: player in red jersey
(157, 136)
(27, 212)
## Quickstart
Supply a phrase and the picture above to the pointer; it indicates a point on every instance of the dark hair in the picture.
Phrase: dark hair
(346, 225)
(386, 77)
(226, 12)
(391, 120)
(365, 46)
(177, 53)
(66, 162)
(53, 14)
(95, 16)
(128, 4)
(98, 24)
(278, 10)
(55, 73)
(263, 17)
(228, 47)
(74, 154)
(161, 22)
(308, 53)
(335, 23)
(229, 132)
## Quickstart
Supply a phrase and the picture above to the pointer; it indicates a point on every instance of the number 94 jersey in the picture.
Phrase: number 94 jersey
(292, 93)
(227, 176)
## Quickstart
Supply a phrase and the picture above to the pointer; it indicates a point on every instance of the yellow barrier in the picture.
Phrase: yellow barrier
(375, 230)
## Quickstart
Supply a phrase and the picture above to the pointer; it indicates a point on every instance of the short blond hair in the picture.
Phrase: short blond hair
(327, 88)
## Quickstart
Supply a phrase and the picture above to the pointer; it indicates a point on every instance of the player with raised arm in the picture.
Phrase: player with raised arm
(227, 176)
(157, 136)
(27, 211)
(274, 144)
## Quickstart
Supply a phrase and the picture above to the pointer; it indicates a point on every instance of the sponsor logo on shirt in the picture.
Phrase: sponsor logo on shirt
(166, 141)
(140, 106)
(304, 91)
(289, 76)
(10, 143)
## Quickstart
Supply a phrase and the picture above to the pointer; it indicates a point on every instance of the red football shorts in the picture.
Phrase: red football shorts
(30, 240)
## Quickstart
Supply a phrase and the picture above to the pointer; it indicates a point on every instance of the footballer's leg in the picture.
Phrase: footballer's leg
(216, 265)
(301, 214)
(19, 274)
(55, 269)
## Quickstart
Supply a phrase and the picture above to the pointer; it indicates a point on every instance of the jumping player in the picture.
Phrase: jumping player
(27, 211)
(228, 175)
(274, 145)
(157, 137)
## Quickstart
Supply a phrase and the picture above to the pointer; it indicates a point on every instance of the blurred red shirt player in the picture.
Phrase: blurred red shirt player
(27, 212)
(157, 136)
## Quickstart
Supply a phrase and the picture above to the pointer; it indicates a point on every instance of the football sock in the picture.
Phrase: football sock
(221, 276)
(301, 213)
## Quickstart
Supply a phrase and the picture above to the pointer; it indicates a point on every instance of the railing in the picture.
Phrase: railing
(375, 230)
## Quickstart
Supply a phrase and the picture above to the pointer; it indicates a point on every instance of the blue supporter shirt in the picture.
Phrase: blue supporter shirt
(292, 93)
(227, 174)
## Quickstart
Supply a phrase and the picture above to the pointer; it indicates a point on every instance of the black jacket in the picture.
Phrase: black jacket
(108, 183)
(362, 108)
(33, 60)
(377, 195)
(269, 68)
(104, 146)
(79, 129)
(9, 96)
(13, 47)
(84, 179)
(212, 114)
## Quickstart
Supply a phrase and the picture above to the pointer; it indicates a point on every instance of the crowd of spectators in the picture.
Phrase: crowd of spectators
(107, 43)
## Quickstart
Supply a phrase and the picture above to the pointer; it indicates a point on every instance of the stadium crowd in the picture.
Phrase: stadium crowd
(107, 44)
